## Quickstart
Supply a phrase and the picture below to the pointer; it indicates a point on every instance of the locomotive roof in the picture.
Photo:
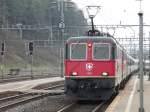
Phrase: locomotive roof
(109, 39)
(93, 38)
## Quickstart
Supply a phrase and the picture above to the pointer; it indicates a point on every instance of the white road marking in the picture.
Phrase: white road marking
(128, 108)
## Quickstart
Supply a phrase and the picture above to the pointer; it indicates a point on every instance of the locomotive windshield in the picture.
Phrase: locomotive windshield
(78, 51)
(101, 51)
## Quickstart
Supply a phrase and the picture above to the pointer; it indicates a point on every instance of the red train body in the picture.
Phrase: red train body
(95, 67)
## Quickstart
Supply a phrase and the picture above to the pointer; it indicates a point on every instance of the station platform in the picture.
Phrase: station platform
(128, 98)
(22, 86)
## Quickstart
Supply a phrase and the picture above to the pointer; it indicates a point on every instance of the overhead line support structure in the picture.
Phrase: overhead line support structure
(141, 66)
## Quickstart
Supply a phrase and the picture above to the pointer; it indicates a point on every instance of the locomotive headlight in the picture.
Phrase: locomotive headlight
(104, 74)
(74, 73)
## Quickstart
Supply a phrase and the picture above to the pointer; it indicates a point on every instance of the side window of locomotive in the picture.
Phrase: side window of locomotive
(78, 51)
(66, 52)
(113, 52)
(101, 51)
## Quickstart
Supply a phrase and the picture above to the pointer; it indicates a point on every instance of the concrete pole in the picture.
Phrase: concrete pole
(2, 66)
(20, 30)
(51, 34)
(62, 11)
(62, 26)
(149, 57)
(32, 66)
(141, 108)
(62, 61)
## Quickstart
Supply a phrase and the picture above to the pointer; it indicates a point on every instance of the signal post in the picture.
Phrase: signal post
(2, 58)
(30, 48)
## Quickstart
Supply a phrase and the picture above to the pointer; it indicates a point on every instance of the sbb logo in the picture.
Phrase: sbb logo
(89, 66)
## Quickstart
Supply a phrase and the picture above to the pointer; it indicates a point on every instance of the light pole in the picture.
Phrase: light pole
(141, 95)
(141, 108)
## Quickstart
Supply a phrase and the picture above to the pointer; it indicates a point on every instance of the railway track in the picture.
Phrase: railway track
(20, 78)
(79, 107)
(88, 106)
(54, 87)
(23, 98)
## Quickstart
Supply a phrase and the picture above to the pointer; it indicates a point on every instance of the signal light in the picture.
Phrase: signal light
(3, 48)
(31, 48)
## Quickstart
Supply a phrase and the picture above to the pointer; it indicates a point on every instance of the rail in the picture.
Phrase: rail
(23, 98)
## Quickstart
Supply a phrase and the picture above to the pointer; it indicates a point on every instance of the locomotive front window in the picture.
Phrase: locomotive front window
(101, 51)
(78, 51)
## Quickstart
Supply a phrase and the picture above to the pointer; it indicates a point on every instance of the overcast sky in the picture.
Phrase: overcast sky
(114, 11)
(120, 11)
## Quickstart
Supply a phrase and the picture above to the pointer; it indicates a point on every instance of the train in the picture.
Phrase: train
(96, 67)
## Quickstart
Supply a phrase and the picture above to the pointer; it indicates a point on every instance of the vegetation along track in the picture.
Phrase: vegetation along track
(22, 98)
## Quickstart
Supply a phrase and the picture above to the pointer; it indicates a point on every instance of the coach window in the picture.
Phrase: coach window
(101, 51)
(78, 51)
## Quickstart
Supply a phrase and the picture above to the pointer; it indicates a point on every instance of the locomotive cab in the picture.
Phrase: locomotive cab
(90, 66)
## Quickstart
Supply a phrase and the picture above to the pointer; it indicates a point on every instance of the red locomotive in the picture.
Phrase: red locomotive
(95, 67)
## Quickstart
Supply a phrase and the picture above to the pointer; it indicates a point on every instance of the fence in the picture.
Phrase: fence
(46, 58)
(47, 55)
(48, 50)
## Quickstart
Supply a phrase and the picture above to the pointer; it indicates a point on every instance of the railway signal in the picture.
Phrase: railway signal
(2, 58)
(31, 46)
(2, 48)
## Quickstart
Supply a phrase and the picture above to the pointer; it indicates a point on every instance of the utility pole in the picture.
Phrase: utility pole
(149, 57)
(61, 27)
(141, 88)
(141, 108)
